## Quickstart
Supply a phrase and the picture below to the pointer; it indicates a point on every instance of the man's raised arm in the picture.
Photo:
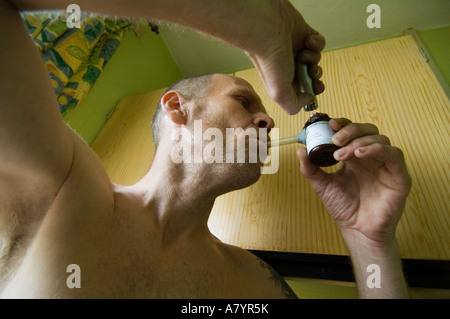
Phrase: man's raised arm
(272, 33)
(35, 145)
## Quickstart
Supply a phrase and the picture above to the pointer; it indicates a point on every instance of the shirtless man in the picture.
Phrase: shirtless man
(151, 240)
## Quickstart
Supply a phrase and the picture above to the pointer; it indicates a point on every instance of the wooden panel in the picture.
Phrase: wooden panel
(386, 83)
(125, 144)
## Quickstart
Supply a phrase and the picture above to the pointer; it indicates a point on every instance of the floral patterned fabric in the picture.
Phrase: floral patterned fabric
(74, 57)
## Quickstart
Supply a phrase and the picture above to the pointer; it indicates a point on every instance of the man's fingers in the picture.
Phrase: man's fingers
(315, 41)
(318, 86)
(315, 71)
(351, 131)
(348, 150)
(338, 123)
(353, 136)
(314, 174)
(393, 160)
(309, 57)
(382, 153)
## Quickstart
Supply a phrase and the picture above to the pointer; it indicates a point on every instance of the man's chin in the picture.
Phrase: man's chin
(242, 175)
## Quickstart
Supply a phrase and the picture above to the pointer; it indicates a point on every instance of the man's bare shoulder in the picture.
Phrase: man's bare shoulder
(264, 275)
(42, 212)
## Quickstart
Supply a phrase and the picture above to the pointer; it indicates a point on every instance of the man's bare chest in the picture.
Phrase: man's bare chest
(118, 264)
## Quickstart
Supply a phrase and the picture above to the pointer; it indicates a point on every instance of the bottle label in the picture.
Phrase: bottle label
(317, 134)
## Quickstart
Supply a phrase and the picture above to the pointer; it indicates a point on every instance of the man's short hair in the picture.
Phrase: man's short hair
(192, 88)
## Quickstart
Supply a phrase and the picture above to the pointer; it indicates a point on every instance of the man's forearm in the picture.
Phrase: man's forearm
(378, 271)
(272, 33)
(222, 19)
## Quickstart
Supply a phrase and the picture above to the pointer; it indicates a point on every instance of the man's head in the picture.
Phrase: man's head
(192, 88)
(220, 103)
(197, 90)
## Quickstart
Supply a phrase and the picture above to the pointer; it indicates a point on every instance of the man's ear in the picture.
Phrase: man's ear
(173, 106)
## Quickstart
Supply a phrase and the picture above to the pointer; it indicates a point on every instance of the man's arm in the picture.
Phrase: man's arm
(378, 270)
(37, 146)
(35, 143)
(272, 33)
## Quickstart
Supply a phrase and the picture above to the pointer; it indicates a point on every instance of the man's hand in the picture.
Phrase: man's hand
(275, 50)
(366, 197)
(367, 193)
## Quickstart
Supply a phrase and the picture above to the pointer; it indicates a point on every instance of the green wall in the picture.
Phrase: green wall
(437, 42)
(139, 65)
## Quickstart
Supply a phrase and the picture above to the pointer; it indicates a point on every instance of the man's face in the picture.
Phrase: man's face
(233, 108)
(233, 103)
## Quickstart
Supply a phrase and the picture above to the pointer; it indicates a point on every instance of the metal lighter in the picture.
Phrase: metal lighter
(305, 85)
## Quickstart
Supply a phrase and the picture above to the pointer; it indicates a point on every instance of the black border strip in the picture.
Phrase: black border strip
(418, 272)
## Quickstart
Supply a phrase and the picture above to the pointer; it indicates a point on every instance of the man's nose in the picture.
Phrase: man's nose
(263, 120)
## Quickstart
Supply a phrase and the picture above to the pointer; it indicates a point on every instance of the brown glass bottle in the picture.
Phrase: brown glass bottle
(319, 146)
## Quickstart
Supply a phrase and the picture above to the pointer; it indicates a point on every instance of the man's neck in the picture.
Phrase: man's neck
(179, 196)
